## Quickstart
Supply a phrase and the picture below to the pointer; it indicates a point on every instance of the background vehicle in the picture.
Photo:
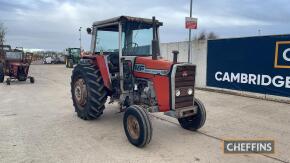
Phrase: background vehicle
(48, 60)
(14, 64)
(59, 59)
(54, 59)
(125, 64)
(72, 57)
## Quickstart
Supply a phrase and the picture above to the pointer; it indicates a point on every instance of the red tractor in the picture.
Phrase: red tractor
(14, 64)
(126, 66)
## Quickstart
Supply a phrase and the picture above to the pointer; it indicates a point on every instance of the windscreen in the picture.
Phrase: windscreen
(107, 41)
(75, 52)
(14, 55)
(137, 39)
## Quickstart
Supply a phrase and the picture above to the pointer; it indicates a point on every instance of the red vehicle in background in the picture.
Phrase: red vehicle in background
(15, 64)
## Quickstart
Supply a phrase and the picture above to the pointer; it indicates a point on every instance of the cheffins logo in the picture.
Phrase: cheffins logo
(282, 55)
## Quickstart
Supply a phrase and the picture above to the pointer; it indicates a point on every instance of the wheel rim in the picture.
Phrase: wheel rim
(80, 92)
(133, 127)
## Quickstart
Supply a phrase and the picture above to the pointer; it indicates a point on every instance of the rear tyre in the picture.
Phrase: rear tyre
(1, 73)
(89, 94)
(137, 126)
(22, 78)
(70, 63)
(32, 80)
(196, 121)
(66, 63)
(8, 81)
(21, 74)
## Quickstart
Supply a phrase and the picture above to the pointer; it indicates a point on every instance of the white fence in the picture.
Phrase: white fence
(199, 57)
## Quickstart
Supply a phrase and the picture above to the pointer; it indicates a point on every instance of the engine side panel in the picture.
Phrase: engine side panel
(154, 64)
(156, 71)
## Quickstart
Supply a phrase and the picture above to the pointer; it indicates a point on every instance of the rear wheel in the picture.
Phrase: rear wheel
(89, 94)
(66, 63)
(137, 126)
(1, 73)
(32, 80)
(196, 121)
(21, 75)
(8, 81)
(70, 63)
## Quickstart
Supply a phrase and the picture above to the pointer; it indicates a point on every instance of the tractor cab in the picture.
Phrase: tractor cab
(14, 56)
(72, 57)
(124, 37)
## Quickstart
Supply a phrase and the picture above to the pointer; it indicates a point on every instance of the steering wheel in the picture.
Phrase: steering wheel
(132, 49)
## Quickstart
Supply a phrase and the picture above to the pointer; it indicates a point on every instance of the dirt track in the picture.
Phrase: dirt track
(38, 124)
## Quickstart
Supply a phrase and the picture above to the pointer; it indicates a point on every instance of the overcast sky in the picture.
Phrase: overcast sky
(54, 24)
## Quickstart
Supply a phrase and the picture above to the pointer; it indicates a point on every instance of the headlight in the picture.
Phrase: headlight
(189, 91)
(177, 93)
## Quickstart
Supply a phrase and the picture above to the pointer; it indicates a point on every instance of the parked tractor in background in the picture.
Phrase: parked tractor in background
(125, 64)
(72, 57)
(14, 63)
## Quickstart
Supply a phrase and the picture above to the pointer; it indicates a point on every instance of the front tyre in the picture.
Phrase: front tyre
(89, 94)
(137, 126)
(196, 121)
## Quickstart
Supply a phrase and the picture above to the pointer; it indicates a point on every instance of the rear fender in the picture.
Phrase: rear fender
(103, 66)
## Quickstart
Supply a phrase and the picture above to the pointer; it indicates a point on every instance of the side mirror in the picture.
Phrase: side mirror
(89, 31)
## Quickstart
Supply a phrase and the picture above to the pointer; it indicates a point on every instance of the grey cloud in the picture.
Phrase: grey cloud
(53, 24)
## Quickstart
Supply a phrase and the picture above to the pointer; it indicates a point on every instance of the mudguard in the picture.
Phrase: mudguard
(103, 66)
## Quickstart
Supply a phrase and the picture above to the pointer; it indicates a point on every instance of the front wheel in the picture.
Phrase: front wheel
(137, 126)
(196, 121)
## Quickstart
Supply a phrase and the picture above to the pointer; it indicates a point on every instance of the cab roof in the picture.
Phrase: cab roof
(126, 19)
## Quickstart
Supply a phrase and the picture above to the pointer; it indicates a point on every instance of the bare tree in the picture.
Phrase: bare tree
(205, 36)
(202, 36)
(2, 33)
(212, 36)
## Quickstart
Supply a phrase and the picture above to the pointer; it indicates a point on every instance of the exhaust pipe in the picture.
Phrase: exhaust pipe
(175, 55)
(155, 41)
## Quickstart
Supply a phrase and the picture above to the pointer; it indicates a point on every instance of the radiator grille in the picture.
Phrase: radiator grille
(184, 79)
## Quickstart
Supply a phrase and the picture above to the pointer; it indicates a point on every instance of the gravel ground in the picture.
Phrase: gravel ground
(38, 124)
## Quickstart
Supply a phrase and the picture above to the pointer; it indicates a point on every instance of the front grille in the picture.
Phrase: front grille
(184, 79)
